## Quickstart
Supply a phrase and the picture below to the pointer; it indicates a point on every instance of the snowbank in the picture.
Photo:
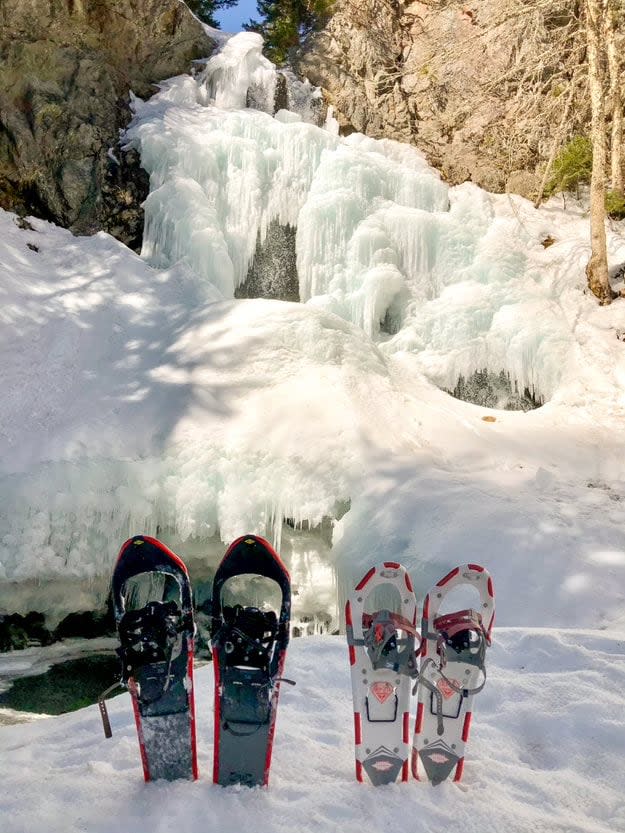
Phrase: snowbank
(545, 754)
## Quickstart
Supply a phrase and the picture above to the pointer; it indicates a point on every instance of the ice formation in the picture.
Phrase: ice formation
(138, 396)
(381, 241)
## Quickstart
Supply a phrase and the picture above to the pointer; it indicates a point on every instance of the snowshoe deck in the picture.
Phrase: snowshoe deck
(382, 659)
(249, 650)
(156, 652)
(451, 672)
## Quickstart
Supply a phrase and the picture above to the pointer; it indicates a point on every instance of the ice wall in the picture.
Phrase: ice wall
(238, 75)
(220, 174)
(381, 241)
(133, 402)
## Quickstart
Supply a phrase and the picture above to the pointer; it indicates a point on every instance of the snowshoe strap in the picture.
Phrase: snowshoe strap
(422, 680)
(400, 622)
(452, 623)
(438, 697)
(106, 723)
(147, 636)
(247, 635)
(461, 636)
(383, 644)
(465, 691)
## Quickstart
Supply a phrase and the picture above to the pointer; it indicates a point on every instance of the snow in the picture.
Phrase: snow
(139, 396)
(545, 754)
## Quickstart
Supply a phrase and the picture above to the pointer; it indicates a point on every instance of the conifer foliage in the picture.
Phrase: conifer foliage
(572, 167)
(284, 24)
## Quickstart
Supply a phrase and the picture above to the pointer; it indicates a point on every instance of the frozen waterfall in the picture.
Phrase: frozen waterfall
(380, 238)
(140, 395)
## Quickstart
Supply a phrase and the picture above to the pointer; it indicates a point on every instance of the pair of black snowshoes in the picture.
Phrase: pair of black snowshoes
(152, 602)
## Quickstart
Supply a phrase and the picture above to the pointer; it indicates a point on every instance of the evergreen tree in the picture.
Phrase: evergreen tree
(284, 24)
(205, 9)
(572, 167)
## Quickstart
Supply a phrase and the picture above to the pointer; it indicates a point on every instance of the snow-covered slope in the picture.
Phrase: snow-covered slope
(139, 396)
(131, 401)
(545, 754)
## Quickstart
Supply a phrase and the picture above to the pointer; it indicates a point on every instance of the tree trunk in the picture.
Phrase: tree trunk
(597, 268)
(616, 101)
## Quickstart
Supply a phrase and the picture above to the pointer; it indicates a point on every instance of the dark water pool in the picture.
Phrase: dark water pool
(65, 687)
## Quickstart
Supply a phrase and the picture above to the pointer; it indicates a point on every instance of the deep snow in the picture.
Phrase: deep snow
(545, 754)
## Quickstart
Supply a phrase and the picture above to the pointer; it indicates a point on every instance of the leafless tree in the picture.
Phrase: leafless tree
(595, 22)
(615, 20)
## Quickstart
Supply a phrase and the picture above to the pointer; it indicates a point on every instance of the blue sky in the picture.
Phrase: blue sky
(231, 20)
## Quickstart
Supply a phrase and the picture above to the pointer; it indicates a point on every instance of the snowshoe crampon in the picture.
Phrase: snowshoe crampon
(452, 671)
(249, 649)
(380, 620)
(154, 616)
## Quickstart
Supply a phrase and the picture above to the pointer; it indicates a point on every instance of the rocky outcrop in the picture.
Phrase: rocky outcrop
(451, 78)
(66, 69)
(273, 273)
(356, 59)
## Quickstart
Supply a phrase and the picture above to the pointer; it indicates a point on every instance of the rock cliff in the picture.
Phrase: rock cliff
(478, 86)
(66, 68)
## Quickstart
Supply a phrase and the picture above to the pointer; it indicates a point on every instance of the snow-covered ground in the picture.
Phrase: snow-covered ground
(130, 402)
(545, 754)
(139, 396)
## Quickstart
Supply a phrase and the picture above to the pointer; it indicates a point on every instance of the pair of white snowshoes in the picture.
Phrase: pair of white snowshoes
(389, 663)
